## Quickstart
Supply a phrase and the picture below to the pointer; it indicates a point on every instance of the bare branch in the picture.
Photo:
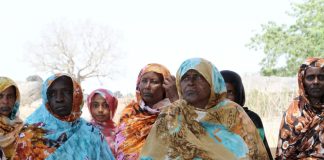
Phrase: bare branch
(81, 51)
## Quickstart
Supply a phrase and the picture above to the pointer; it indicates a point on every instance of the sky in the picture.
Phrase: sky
(149, 31)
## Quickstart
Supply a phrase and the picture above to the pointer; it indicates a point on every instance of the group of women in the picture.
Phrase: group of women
(199, 114)
(184, 117)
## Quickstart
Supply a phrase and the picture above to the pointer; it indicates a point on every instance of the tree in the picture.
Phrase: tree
(82, 49)
(292, 43)
(118, 94)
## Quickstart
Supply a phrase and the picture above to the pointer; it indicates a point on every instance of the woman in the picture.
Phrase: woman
(301, 133)
(236, 93)
(102, 106)
(202, 124)
(10, 123)
(155, 88)
(56, 131)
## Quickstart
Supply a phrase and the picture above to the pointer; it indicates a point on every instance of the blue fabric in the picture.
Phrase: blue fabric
(230, 140)
(206, 69)
(83, 140)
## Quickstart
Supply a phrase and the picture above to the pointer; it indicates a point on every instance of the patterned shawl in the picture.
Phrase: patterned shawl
(236, 81)
(221, 131)
(108, 127)
(137, 119)
(49, 136)
(301, 131)
(9, 126)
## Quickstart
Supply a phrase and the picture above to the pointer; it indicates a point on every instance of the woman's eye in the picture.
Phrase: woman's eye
(321, 77)
(95, 105)
(11, 96)
(52, 93)
(185, 78)
(310, 78)
(155, 81)
(68, 92)
(144, 81)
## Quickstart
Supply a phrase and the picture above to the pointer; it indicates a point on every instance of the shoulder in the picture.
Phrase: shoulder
(252, 114)
(295, 108)
(88, 126)
(176, 107)
(227, 106)
(39, 115)
(90, 132)
(255, 118)
(130, 109)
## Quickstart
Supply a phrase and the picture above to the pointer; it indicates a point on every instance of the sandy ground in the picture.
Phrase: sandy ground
(271, 127)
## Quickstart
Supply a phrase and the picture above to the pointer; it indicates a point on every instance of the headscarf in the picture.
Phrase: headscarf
(210, 73)
(152, 67)
(301, 130)
(9, 126)
(5, 83)
(235, 79)
(223, 132)
(49, 136)
(108, 127)
(137, 119)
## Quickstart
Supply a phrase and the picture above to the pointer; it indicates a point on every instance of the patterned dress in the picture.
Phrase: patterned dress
(235, 79)
(137, 119)
(301, 134)
(221, 131)
(49, 136)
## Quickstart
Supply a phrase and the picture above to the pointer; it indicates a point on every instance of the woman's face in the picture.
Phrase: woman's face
(314, 82)
(230, 91)
(60, 96)
(195, 89)
(7, 100)
(99, 108)
(151, 88)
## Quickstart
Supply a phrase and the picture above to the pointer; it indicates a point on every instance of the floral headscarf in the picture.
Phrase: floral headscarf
(152, 67)
(316, 62)
(77, 103)
(301, 130)
(221, 131)
(210, 73)
(137, 119)
(108, 127)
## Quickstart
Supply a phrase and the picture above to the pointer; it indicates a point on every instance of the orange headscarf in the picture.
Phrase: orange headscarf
(135, 122)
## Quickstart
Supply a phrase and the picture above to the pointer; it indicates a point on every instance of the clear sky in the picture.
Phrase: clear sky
(165, 31)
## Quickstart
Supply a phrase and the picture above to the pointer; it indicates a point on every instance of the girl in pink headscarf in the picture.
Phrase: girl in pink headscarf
(102, 106)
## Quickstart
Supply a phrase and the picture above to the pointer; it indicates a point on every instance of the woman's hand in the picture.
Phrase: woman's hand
(170, 87)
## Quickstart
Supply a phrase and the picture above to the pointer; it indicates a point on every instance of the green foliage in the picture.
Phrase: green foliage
(293, 43)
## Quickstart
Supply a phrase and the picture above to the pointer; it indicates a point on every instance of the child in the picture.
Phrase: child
(102, 106)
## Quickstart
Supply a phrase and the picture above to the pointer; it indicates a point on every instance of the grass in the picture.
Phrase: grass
(269, 104)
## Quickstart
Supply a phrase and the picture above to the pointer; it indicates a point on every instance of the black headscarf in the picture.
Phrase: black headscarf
(236, 81)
